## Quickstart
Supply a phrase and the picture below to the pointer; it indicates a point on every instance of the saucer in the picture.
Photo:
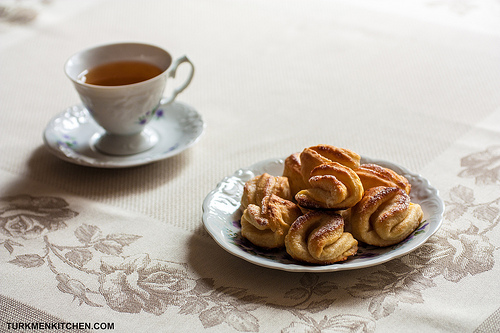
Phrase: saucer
(72, 134)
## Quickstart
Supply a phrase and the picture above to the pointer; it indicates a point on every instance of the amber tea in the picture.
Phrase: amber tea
(119, 73)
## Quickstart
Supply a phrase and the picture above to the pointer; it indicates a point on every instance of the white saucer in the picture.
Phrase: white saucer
(71, 136)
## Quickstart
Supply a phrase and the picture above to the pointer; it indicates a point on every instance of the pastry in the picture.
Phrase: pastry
(332, 186)
(316, 155)
(326, 202)
(267, 225)
(292, 171)
(263, 185)
(384, 216)
(318, 237)
(373, 175)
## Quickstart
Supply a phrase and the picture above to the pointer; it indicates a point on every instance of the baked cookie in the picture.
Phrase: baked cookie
(331, 186)
(373, 175)
(318, 237)
(293, 171)
(267, 225)
(263, 185)
(384, 216)
(316, 155)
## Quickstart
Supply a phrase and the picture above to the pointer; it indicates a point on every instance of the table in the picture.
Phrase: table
(415, 83)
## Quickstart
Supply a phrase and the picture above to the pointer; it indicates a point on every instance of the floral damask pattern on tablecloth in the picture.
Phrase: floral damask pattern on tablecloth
(25, 217)
(94, 271)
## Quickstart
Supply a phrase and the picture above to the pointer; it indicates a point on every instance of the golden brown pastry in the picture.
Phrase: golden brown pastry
(385, 216)
(332, 186)
(319, 238)
(346, 215)
(292, 171)
(316, 155)
(267, 225)
(263, 185)
(373, 175)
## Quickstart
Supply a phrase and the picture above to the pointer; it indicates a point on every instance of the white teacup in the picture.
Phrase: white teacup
(123, 109)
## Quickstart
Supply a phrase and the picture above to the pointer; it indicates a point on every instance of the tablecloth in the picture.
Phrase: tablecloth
(415, 83)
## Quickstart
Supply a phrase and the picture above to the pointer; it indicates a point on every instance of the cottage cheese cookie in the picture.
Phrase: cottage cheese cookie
(263, 185)
(316, 155)
(373, 175)
(318, 237)
(384, 216)
(267, 225)
(331, 186)
(293, 171)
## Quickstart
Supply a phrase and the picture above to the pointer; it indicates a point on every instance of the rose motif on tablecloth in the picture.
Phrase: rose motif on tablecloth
(483, 166)
(74, 287)
(138, 283)
(456, 255)
(27, 217)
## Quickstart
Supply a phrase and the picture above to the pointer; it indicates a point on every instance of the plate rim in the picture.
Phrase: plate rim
(298, 267)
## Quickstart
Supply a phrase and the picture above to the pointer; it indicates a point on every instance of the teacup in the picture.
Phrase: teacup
(121, 103)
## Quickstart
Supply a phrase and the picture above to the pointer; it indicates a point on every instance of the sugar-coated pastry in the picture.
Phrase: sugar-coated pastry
(267, 225)
(263, 185)
(316, 155)
(384, 216)
(292, 171)
(332, 186)
(346, 215)
(318, 237)
(373, 175)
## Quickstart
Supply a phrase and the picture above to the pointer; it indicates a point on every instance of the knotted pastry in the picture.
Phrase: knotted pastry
(316, 155)
(292, 171)
(385, 216)
(264, 185)
(373, 175)
(266, 226)
(318, 237)
(331, 186)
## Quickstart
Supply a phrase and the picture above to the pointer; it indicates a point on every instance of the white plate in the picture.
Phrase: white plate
(221, 215)
(71, 136)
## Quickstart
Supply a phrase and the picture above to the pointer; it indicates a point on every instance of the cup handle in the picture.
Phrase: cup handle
(171, 73)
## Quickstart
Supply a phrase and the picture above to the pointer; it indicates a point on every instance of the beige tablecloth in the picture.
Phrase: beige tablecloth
(415, 83)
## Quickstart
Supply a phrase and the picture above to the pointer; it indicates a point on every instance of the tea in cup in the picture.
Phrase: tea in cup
(121, 85)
